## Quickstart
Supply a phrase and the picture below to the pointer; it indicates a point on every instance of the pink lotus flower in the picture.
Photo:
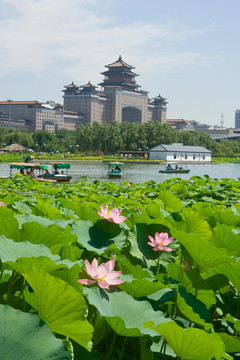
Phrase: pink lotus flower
(128, 184)
(102, 274)
(238, 201)
(2, 204)
(111, 216)
(160, 241)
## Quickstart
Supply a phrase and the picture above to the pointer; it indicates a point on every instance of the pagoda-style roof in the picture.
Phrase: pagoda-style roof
(89, 86)
(72, 86)
(120, 63)
(120, 71)
(160, 99)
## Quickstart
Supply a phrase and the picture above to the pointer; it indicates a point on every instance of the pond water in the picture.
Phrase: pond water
(139, 173)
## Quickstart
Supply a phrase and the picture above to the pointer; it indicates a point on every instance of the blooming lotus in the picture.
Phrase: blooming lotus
(160, 241)
(2, 204)
(102, 274)
(111, 216)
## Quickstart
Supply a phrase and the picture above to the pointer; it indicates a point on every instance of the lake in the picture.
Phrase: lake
(139, 173)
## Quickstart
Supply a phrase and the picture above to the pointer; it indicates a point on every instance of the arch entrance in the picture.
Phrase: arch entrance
(131, 114)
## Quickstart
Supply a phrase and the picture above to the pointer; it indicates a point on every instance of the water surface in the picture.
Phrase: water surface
(139, 173)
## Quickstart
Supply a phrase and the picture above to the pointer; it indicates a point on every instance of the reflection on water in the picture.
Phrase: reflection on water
(139, 173)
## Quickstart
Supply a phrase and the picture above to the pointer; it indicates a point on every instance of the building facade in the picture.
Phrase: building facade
(118, 100)
(179, 152)
(237, 119)
(34, 116)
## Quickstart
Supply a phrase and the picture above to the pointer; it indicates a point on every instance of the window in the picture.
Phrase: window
(175, 156)
(194, 156)
(185, 157)
(203, 157)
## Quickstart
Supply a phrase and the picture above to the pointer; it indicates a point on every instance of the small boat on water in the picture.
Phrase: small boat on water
(29, 169)
(175, 168)
(114, 170)
(43, 171)
(59, 172)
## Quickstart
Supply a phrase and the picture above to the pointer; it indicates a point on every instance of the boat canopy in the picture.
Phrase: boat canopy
(59, 165)
(28, 166)
(115, 164)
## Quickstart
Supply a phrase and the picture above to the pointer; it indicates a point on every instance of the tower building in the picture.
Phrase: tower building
(118, 100)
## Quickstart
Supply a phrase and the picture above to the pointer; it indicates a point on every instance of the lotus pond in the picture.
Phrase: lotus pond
(99, 270)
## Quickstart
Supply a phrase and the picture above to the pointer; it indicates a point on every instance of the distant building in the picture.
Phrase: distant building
(118, 100)
(10, 123)
(237, 119)
(179, 152)
(187, 125)
(35, 115)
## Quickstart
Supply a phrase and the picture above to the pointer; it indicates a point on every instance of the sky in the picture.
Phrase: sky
(187, 51)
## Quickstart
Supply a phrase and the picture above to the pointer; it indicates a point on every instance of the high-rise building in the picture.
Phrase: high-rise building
(118, 100)
(237, 119)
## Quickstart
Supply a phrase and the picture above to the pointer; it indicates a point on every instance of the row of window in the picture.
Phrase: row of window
(186, 156)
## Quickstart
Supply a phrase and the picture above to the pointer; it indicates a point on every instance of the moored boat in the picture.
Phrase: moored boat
(115, 170)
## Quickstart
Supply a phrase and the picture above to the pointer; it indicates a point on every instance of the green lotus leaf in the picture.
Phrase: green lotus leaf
(60, 306)
(232, 344)
(120, 309)
(203, 253)
(49, 236)
(172, 203)
(11, 251)
(190, 344)
(232, 271)
(34, 218)
(97, 237)
(141, 287)
(46, 209)
(193, 308)
(224, 237)
(24, 264)
(25, 336)
(136, 271)
(190, 280)
(226, 216)
(196, 224)
(22, 207)
(10, 228)
(42, 220)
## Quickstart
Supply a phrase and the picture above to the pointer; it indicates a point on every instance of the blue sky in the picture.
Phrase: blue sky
(185, 50)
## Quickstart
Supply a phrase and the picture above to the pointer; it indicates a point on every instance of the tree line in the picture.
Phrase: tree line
(114, 138)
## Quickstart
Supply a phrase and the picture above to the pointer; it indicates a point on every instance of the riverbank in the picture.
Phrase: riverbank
(67, 157)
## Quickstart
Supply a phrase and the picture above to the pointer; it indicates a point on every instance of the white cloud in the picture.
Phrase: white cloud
(73, 36)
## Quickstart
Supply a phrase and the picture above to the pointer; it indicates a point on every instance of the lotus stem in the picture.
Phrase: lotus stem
(111, 347)
(197, 277)
(157, 268)
(163, 348)
(123, 348)
(11, 281)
